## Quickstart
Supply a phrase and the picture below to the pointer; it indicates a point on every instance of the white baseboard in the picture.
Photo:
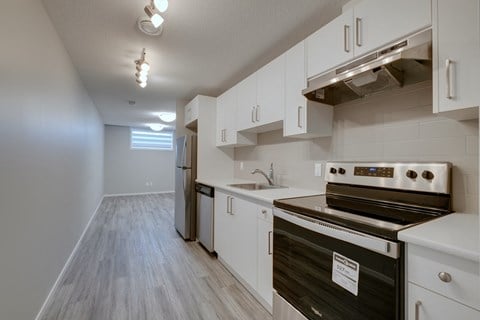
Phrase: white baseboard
(67, 264)
(136, 194)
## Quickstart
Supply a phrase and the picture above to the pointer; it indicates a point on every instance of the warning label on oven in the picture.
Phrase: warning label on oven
(345, 273)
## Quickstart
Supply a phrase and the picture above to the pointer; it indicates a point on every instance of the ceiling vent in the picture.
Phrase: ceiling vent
(145, 25)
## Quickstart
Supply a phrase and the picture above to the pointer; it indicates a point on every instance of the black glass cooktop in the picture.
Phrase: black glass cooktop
(378, 217)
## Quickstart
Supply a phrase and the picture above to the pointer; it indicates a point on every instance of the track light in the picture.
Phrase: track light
(161, 5)
(154, 15)
(142, 68)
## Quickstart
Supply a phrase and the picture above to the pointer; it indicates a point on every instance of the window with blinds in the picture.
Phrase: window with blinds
(145, 139)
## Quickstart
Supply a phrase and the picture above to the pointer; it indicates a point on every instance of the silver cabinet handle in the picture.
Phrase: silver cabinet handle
(299, 114)
(417, 310)
(346, 32)
(224, 135)
(257, 118)
(358, 25)
(270, 242)
(228, 204)
(445, 276)
(231, 205)
(448, 63)
(253, 114)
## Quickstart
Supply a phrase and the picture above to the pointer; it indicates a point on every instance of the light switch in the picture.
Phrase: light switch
(318, 169)
(241, 165)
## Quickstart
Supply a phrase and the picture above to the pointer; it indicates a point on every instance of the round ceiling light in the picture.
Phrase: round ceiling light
(156, 126)
(167, 116)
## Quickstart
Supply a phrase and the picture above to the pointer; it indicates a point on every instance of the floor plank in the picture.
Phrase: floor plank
(132, 264)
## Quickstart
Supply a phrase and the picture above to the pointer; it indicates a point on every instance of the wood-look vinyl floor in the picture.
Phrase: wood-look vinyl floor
(132, 264)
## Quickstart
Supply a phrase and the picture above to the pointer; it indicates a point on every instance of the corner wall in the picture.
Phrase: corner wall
(51, 158)
(130, 171)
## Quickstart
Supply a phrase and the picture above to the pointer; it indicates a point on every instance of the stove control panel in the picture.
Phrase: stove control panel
(384, 172)
(415, 176)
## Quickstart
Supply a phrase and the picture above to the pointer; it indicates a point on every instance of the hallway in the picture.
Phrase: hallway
(133, 265)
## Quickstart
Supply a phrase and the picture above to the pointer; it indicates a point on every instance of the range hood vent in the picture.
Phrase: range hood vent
(402, 63)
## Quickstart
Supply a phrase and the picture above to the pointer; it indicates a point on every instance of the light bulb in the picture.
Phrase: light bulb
(144, 66)
(140, 71)
(161, 5)
(141, 77)
(157, 20)
(142, 84)
(156, 126)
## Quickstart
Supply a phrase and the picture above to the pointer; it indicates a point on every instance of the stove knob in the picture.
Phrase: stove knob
(411, 174)
(341, 170)
(428, 175)
(333, 170)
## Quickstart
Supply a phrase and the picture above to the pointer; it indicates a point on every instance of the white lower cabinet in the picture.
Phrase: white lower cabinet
(243, 240)
(265, 251)
(441, 286)
(427, 305)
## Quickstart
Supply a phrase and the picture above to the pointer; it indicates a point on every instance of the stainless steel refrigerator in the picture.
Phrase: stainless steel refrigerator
(185, 195)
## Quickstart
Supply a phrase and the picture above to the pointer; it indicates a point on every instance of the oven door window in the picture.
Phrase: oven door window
(302, 275)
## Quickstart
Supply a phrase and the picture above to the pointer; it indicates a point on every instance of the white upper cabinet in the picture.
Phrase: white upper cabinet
(191, 113)
(378, 22)
(261, 101)
(367, 26)
(226, 133)
(270, 92)
(456, 59)
(331, 45)
(247, 102)
(303, 118)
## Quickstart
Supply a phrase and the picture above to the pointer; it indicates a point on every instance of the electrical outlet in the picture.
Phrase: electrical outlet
(318, 171)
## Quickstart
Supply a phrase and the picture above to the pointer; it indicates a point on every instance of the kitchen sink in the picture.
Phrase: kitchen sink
(255, 186)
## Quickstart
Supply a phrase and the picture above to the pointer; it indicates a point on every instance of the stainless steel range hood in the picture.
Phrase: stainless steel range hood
(401, 63)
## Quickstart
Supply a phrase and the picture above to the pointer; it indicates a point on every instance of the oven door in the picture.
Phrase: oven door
(329, 272)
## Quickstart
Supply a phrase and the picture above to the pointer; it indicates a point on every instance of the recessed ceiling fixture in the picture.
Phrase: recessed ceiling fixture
(156, 126)
(167, 116)
(154, 14)
(142, 68)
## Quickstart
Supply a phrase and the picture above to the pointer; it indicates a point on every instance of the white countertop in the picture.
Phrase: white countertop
(456, 234)
(267, 195)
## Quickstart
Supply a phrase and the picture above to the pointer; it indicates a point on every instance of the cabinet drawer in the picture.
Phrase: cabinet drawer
(425, 265)
(265, 213)
(432, 306)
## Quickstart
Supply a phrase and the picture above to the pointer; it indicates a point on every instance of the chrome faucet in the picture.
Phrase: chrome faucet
(269, 177)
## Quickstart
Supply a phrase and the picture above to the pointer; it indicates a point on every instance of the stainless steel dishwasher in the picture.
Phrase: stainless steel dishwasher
(205, 218)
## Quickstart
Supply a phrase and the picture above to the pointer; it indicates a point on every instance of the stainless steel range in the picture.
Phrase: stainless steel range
(337, 256)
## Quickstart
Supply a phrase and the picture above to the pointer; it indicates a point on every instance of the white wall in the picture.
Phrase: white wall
(51, 158)
(393, 126)
(128, 171)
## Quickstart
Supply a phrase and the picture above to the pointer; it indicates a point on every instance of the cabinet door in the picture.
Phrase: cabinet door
(222, 226)
(246, 102)
(244, 240)
(330, 46)
(265, 249)
(426, 305)
(456, 35)
(226, 106)
(378, 22)
(270, 92)
(295, 82)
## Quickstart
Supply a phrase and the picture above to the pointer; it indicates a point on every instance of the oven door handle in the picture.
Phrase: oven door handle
(385, 247)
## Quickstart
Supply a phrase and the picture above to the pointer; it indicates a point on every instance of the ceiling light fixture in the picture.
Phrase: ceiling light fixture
(167, 116)
(142, 68)
(154, 14)
(156, 126)
(161, 5)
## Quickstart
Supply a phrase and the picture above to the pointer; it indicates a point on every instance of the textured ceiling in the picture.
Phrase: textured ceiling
(206, 47)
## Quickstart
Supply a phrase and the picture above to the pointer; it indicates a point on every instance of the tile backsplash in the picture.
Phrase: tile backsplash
(392, 126)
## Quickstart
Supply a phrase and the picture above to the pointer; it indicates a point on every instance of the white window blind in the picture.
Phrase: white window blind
(145, 139)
